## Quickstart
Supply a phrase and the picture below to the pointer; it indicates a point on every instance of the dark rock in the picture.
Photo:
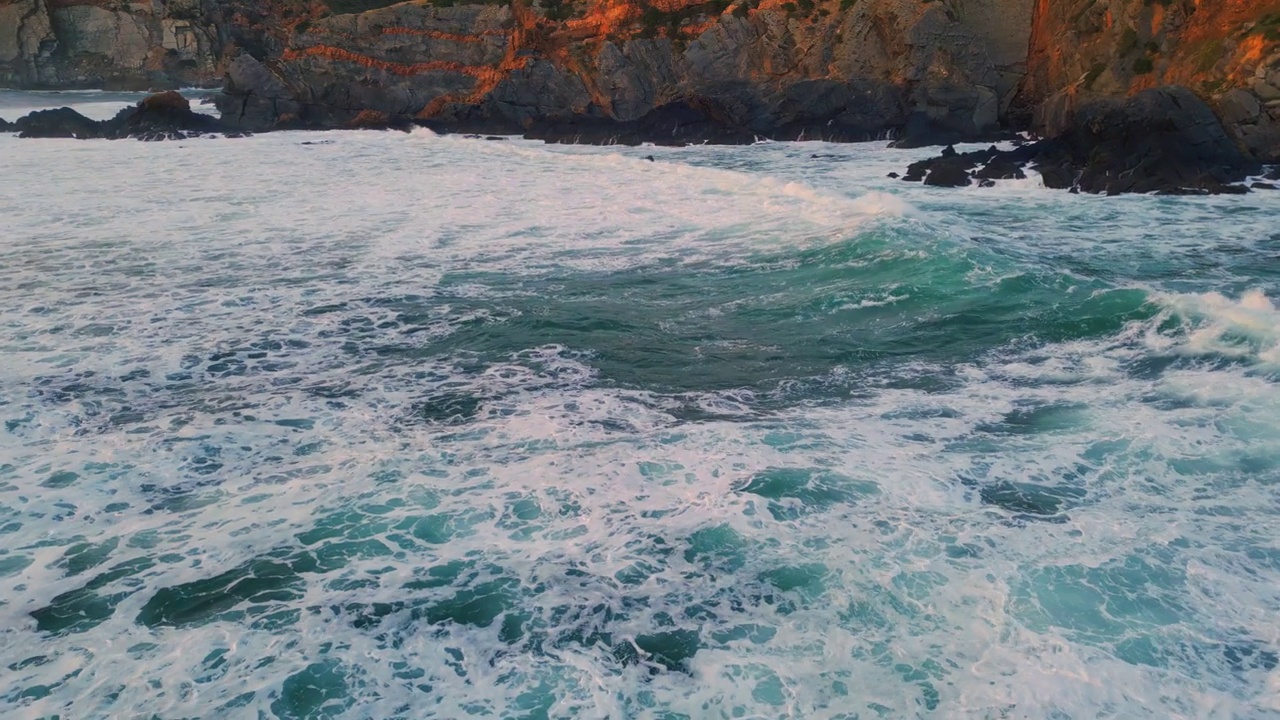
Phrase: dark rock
(6, 126)
(1159, 141)
(923, 131)
(951, 169)
(58, 123)
(1262, 186)
(675, 124)
(1164, 139)
(1227, 189)
(894, 175)
(1058, 177)
(948, 175)
(254, 99)
(164, 116)
(852, 110)
(1000, 167)
(1274, 174)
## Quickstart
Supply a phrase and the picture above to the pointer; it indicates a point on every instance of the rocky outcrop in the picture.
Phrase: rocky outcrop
(833, 70)
(110, 44)
(1226, 51)
(164, 116)
(1164, 140)
(925, 71)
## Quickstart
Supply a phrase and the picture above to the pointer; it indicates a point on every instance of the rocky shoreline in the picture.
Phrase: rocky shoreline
(939, 71)
(1163, 141)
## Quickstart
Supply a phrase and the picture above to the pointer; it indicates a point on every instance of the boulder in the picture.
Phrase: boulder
(6, 126)
(58, 123)
(163, 116)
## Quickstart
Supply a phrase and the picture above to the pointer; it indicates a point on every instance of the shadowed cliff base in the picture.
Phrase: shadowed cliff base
(1162, 141)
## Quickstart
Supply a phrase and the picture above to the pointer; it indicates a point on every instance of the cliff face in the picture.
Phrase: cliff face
(1226, 51)
(839, 69)
(103, 43)
(836, 69)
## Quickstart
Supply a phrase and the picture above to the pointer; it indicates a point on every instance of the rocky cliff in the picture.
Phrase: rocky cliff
(839, 69)
(107, 44)
(1226, 51)
(835, 69)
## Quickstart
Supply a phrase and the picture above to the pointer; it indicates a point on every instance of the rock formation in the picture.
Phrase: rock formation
(926, 71)
(109, 43)
(838, 70)
(1164, 140)
(1226, 51)
(163, 116)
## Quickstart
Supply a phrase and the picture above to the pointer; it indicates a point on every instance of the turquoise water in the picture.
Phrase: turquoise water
(398, 425)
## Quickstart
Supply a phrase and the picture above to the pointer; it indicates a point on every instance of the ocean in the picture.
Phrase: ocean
(397, 425)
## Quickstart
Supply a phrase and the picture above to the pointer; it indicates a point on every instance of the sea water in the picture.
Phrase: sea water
(398, 425)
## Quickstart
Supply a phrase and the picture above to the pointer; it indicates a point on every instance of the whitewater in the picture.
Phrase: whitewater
(398, 425)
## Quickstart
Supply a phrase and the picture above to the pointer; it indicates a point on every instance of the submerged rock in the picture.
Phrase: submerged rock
(1164, 140)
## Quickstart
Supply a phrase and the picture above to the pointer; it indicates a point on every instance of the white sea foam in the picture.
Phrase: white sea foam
(294, 349)
(1245, 327)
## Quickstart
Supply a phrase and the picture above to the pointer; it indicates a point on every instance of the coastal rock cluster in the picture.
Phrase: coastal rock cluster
(1163, 140)
(924, 72)
(164, 116)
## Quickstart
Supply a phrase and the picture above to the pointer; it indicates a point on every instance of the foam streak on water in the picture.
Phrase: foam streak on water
(379, 425)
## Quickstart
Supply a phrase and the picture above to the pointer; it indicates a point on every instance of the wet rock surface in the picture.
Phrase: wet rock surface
(1160, 141)
(163, 116)
(719, 71)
